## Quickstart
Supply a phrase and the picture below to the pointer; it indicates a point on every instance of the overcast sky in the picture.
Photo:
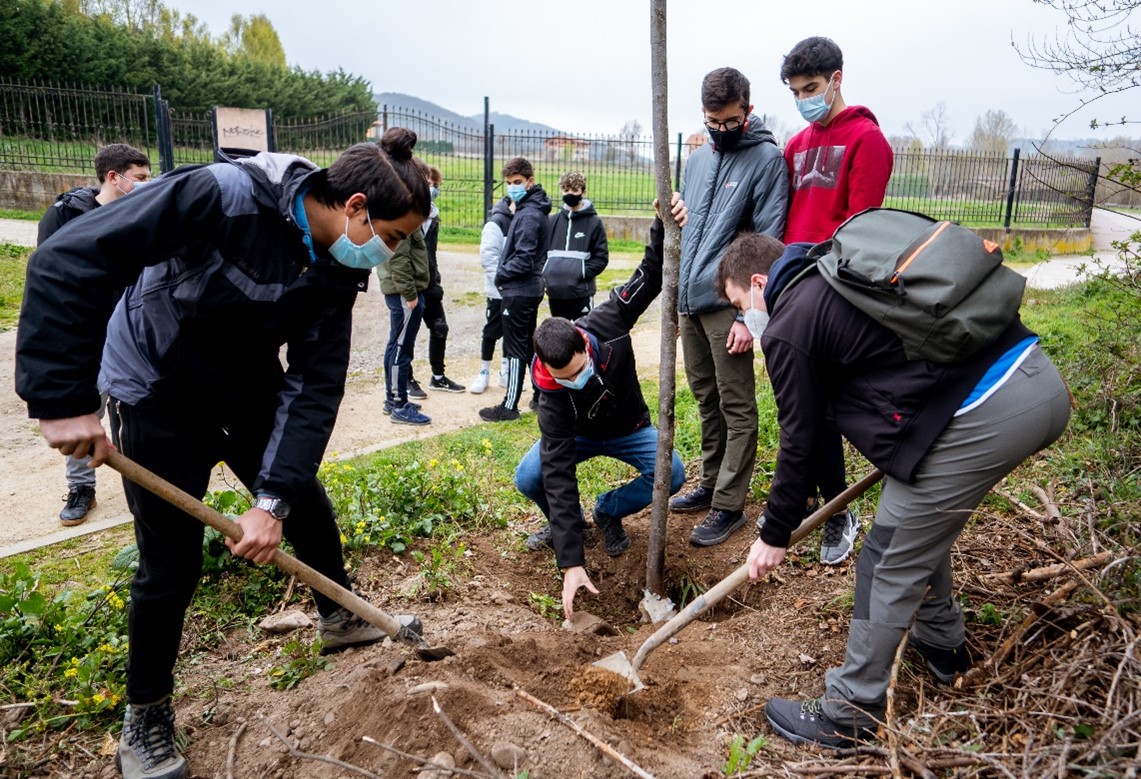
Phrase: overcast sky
(584, 66)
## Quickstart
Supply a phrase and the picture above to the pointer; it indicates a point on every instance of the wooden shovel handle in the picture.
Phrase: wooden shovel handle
(227, 527)
(714, 594)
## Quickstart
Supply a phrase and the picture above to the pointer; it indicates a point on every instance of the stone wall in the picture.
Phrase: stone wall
(35, 191)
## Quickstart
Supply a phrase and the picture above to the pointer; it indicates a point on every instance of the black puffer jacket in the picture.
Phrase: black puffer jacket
(609, 406)
(520, 271)
(832, 364)
(578, 253)
(220, 278)
(65, 208)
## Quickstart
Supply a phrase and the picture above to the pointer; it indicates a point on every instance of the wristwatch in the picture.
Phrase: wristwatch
(276, 507)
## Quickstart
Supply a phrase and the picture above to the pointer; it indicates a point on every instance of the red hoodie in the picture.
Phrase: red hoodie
(835, 172)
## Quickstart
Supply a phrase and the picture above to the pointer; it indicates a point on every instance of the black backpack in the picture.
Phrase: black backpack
(943, 290)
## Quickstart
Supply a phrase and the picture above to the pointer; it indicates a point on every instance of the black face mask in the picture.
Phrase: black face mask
(724, 140)
(571, 199)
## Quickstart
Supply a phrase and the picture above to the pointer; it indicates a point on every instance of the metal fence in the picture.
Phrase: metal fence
(58, 128)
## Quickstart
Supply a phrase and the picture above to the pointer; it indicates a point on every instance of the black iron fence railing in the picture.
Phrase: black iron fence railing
(54, 128)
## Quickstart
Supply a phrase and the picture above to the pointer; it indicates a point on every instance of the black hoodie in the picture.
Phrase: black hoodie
(65, 208)
(578, 253)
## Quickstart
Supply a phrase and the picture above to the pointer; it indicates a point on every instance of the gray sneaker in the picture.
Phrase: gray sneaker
(344, 629)
(146, 746)
(839, 537)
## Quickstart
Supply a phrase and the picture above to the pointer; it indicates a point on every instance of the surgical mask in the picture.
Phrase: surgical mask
(137, 184)
(367, 256)
(815, 108)
(724, 140)
(755, 319)
(516, 191)
(579, 381)
(434, 192)
(571, 199)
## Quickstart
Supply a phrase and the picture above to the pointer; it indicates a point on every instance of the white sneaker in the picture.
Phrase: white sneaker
(480, 382)
(503, 374)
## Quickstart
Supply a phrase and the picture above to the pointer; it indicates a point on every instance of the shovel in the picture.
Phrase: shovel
(291, 565)
(619, 664)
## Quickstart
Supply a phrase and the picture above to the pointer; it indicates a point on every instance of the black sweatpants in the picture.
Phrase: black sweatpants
(183, 448)
(520, 315)
(436, 321)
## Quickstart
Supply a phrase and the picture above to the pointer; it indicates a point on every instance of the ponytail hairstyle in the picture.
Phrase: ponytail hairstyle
(385, 172)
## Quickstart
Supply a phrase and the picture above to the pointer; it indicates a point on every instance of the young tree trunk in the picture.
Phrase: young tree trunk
(656, 557)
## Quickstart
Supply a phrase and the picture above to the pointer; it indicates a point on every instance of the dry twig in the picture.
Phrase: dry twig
(1049, 571)
(608, 750)
(233, 750)
(464, 741)
(294, 752)
(421, 760)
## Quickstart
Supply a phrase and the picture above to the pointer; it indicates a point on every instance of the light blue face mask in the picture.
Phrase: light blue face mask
(815, 108)
(516, 191)
(367, 256)
(579, 381)
(434, 192)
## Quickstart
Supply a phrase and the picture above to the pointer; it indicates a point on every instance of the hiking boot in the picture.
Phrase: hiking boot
(716, 528)
(444, 384)
(344, 629)
(540, 539)
(80, 500)
(146, 746)
(480, 383)
(498, 413)
(944, 664)
(614, 538)
(839, 537)
(804, 722)
(391, 404)
(415, 390)
(409, 414)
(698, 499)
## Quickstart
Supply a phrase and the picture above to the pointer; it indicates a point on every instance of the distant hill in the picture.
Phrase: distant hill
(502, 122)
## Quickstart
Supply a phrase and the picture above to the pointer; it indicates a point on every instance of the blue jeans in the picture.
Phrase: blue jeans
(639, 449)
(401, 346)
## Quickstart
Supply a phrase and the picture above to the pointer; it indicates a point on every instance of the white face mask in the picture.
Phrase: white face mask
(755, 319)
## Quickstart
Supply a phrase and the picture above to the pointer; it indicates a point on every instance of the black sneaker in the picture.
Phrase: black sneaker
(540, 539)
(716, 528)
(698, 499)
(415, 390)
(614, 538)
(80, 500)
(391, 404)
(498, 413)
(444, 384)
(944, 664)
(804, 722)
(146, 746)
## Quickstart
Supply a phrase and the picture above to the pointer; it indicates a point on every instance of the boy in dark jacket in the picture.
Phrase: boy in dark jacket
(578, 251)
(943, 433)
(591, 405)
(520, 280)
(403, 280)
(120, 168)
(232, 259)
(838, 166)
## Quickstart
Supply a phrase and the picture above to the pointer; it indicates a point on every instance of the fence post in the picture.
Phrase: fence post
(488, 159)
(677, 166)
(1010, 190)
(162, 128)
(1093, 176)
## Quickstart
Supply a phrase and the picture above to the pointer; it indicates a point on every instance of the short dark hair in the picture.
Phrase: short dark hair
(812, 57)
(434, 175)
(557, 340)
(388, 175)
(724, 87)
(748, 254)
(118, 157)
(520, 166)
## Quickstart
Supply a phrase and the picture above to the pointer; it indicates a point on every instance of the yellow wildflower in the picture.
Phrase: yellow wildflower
(71, 673)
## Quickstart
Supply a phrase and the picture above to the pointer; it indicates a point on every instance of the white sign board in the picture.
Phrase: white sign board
(242, 128)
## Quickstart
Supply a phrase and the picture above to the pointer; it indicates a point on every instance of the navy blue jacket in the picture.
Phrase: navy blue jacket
(520, 271)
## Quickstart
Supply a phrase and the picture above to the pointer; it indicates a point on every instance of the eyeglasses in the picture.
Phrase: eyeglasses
(727, 126)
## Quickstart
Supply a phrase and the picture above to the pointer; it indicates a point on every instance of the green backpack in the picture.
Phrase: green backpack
(943, 290)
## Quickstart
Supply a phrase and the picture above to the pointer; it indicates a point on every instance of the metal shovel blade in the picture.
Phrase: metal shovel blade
(619, 664)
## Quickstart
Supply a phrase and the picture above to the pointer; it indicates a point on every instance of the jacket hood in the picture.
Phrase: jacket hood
(790, 265)
(536, 197)
(277, 178)
(542, 377)
(852, 113)
(586, 210)
(503, 207)
(80, 198)
(755, 133)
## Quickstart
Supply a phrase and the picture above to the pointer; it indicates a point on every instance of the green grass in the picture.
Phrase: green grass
(15, 213)
(13, 265)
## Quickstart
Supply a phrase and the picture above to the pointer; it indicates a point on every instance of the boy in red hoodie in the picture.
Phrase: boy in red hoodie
(838, 166)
